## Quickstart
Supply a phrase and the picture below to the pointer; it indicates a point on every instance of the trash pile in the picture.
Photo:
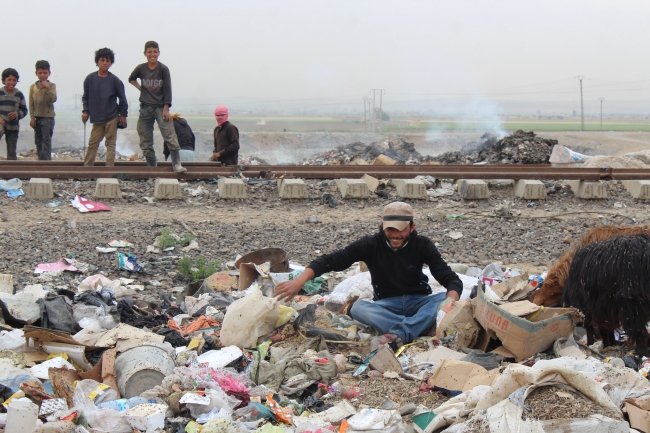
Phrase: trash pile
(564, 157)
(519, 148)
(71, 153)
(220, 354)
(390, 152)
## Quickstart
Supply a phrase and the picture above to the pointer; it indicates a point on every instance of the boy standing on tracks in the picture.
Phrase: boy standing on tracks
(101, 92)
(42, 96)
(12, 108)
(155, 100)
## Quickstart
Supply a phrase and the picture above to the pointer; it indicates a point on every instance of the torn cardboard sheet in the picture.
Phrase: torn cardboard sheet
(520, 308)
(125, 336)
(638, 409)
(457, 377)
(436, 356)
(457, 317)
(63, 383)
(249, 272)
(513, 289)
(104, 371)
(525, 336)
(384, 360)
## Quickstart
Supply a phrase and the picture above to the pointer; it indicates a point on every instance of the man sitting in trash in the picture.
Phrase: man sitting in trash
(402, 308)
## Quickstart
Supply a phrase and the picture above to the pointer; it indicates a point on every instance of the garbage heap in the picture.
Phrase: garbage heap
(395, 151)
(222, 355)
(519, 148)
(71, 153)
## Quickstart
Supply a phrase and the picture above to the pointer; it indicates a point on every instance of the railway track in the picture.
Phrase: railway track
(210, 170)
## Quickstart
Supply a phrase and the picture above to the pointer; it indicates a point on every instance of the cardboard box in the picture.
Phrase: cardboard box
(249, 272)
(458, 316)
(528, 335)
(638, 409)
(459, 376)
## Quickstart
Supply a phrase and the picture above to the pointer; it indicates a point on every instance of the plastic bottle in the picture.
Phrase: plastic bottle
(123, 404)
(6, 185)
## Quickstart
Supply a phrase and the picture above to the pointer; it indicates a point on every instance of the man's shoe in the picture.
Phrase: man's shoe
(176, 162)
(151, 161)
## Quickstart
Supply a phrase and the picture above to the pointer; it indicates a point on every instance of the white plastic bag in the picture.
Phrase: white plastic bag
(247, 319)
(107, 420)
(370, 420)
(89, 392)
(218, 399)
(6, 185)
(13, 340)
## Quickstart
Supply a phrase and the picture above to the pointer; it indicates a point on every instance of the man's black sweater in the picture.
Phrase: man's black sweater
(393, 273)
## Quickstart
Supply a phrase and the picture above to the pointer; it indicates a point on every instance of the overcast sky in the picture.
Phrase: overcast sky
(327, 52)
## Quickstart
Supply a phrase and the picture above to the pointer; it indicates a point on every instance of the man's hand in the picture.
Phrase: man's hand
(287, 290)
(453, 295)
(123, 119)
(2, 122)
(44, 85)
(12, 115)
(216, 156)
(84, 117)
(166, 116)
(32, 122)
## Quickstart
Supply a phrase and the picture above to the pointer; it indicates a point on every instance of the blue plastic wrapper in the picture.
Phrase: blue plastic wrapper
(15, 193)
(129, 262)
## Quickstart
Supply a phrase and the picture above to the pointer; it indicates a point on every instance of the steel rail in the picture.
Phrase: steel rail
(208, 170)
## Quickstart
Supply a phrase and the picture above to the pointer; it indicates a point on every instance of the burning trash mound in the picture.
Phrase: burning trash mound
(519, 148)
(399, 151)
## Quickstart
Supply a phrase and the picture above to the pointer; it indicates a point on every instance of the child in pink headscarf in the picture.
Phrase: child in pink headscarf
(226, 138)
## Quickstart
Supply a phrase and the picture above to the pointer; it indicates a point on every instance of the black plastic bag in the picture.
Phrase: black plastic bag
(57, 314)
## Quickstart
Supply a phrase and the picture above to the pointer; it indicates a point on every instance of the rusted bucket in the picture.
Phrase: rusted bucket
(278, 258)
(141, 368)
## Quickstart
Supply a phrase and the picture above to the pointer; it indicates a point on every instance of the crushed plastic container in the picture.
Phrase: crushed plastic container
(6, 185)
(22, 415)
(146, 417)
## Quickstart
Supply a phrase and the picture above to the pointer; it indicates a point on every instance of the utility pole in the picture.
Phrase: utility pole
(373, 115)
(365, 117)
(582, 107)
(381, 111)
(601, 99)
(374, 110)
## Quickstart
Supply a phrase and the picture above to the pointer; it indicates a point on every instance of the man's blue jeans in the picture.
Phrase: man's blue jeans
(407, 316)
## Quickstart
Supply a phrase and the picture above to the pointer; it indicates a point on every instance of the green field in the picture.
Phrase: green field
(526, 125)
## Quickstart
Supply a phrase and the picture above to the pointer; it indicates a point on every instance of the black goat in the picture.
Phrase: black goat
(609, 281)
